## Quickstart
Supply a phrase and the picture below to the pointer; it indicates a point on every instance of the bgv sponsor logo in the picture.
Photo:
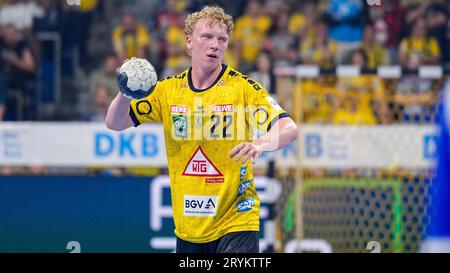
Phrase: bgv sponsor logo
(200, 205)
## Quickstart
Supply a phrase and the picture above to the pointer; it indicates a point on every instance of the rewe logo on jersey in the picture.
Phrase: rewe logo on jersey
(222, 108)
(200, 165)
(180, 109)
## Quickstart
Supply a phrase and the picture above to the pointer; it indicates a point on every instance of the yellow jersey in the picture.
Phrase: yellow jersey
(251, 33)
(376, 54)
(311, 52)
(130, 42)
(88, 5)
(298, 27)
(356, 97)
(317, 98)
(212, 194)
(428, 47)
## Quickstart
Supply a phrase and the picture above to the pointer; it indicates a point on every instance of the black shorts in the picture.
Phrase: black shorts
(235, 242)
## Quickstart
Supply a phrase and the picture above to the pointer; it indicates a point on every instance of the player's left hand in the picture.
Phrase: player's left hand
(245, 151)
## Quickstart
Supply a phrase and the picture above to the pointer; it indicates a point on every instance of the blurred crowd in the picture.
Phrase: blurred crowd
(58, 59)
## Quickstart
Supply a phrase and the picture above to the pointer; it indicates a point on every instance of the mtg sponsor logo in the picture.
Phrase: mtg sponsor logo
(200, 165)
(245, 205)
(200, 205)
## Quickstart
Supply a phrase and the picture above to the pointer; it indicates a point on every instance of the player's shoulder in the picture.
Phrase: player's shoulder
(174, 79)
(243, 80)
(170, 84)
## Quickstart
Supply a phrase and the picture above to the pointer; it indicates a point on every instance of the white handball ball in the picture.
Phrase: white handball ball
(136, 78)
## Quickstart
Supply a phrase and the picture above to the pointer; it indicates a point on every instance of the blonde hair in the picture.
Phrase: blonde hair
(213, 15)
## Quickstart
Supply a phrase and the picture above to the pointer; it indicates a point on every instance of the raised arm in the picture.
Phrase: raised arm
(118, 117)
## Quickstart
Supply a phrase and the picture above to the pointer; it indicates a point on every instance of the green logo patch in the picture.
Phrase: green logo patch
(180, 125)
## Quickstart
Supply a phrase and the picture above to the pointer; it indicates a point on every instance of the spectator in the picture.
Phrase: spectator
(376, 54)
(130, 38)
(106, 76)
(301, 24)
(436, 16)
(317, 101)
(19, 66)
(393, 16)
(177, 58)
(169, 21)
(176, 62)
(419, 48)
(414, 100)
(346, 25)
(281, 43)
(233, 8)
(319, 49)
(229, 57)
(360, 100)
(414, 97)
(264, 74)
(275, 8)
(71, 33)
(249, 35)
(87, 9)
(173, 15)
(100, 103)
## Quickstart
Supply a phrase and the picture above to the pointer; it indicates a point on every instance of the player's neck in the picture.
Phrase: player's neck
(203, 78)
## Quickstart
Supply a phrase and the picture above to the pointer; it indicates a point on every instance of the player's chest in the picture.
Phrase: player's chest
(204, 116)
(219, 100)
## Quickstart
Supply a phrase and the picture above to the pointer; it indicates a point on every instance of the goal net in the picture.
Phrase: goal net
(364, 158)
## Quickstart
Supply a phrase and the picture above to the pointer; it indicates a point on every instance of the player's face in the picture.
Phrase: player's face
(208, 43)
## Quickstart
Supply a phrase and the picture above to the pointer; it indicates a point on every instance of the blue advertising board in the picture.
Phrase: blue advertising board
(93, 214)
